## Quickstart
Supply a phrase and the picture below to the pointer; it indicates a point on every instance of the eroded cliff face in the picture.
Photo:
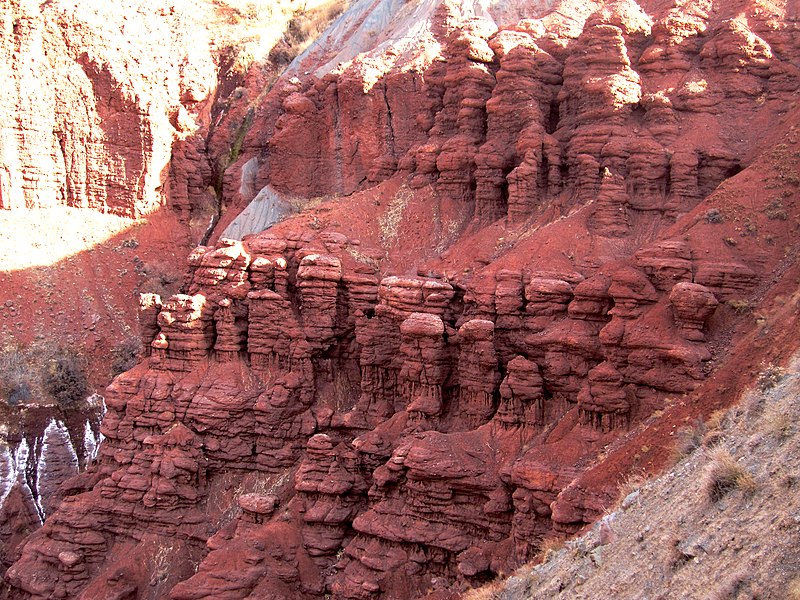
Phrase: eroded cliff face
(539, 265)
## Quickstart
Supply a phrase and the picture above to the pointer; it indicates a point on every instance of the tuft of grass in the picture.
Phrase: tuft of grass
(725, 474)
(549, 546)
(490, 591)
(793, 589)
(777, 424)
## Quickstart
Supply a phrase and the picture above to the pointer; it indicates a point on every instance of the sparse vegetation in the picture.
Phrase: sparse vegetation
(490, 591)
(390, 220)
(361, 257)
(160, 278)
(303, 28)
(41, 372)
(631, 483)
(778, 424)
(771, 376)
(749, 229)
(714, 216)
(161, 564)
(688, 439)
(740, 306)
(725, 474)
(123, 355)
(64, 377)
(793, 589)
(776, 211)
(549, 546)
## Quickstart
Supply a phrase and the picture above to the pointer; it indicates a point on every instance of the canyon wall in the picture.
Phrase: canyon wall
(552, 226)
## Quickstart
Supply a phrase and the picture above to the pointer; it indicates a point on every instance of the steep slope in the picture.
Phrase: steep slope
(535, 240)
(720, 524)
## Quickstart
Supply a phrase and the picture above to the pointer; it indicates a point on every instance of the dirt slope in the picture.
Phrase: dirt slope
(722, 523)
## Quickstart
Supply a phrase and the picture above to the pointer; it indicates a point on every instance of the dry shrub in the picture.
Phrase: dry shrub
(40, 370)
(725, 474)
(64, 377)
(160, 278)
(15, 375)
(124, 355)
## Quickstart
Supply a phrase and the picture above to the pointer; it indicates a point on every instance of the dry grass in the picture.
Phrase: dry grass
(361, 257)
(490, 591)
(688, 439)
(631, 483)
(304, 28)
(724, 475)
(391, 219)
(549, 546)
(771, 376)
(777, 424)
(740, 306)
(793, 589)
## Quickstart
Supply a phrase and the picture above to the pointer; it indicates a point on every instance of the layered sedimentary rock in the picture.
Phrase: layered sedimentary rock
(113, 153)
(255, 389)
(313, 420)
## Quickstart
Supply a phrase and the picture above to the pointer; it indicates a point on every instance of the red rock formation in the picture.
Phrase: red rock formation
(421, 433)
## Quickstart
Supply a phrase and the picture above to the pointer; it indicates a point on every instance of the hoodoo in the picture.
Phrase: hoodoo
(463, 267)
